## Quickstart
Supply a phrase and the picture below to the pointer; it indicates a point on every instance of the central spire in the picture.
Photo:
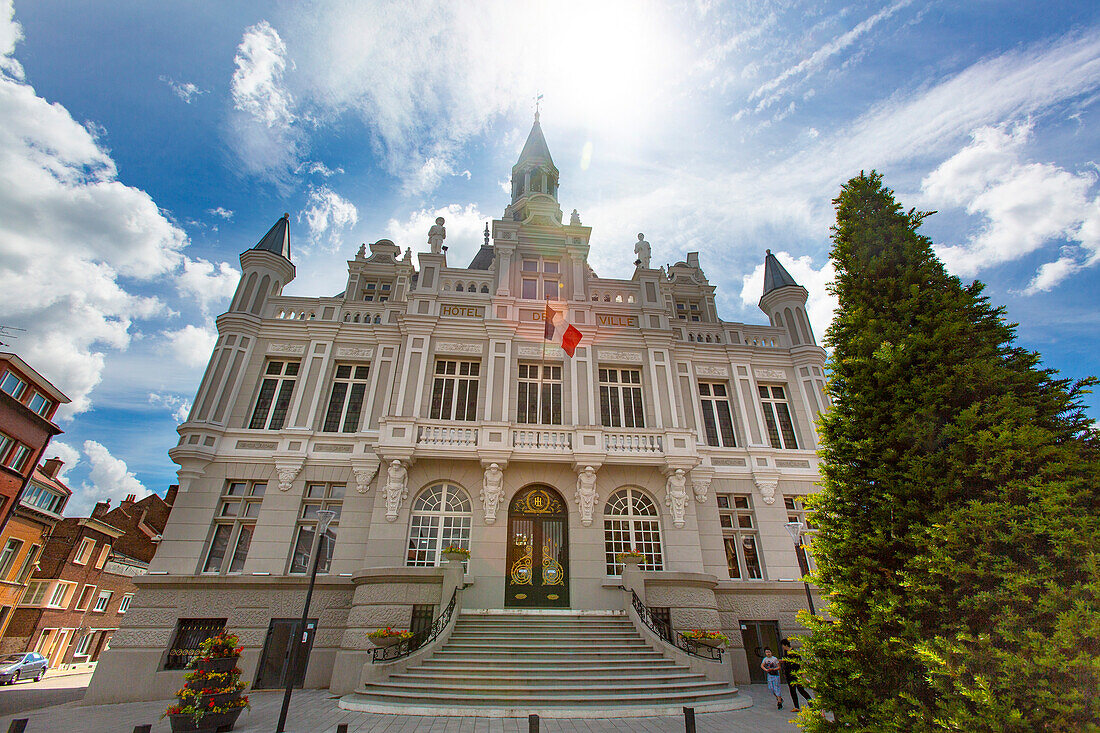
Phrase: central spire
(534, 180)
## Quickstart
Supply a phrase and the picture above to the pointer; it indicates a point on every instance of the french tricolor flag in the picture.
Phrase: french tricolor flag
(555, 327)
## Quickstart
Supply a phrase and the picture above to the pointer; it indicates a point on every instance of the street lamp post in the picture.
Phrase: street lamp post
(324, 517)
(795, 530)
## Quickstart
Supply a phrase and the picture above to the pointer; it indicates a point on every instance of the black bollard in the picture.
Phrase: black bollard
(143, 728)
(532, 724)
(18, 725)
(689, 720)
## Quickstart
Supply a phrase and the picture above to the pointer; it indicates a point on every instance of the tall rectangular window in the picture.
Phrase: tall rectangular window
(8, 555)
(103, 555)
(234, 524)
(102, 601)
(317, 497)
(62, 594)
(273, 401)
(777, 416)
(17, 459)
(739, 535)
(717, 414)
(36, 592)
(87, 547)
(540, 279)
(539, 394)
(27, 567)
(345, 403)
(454, 390)
(40, 404)
(85, 597)
(124, 604)
(621, 398)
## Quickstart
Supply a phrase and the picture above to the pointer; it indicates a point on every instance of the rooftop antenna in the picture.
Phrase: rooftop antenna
(4, 333)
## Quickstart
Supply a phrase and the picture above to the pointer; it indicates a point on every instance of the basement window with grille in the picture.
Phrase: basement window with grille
(190, 632)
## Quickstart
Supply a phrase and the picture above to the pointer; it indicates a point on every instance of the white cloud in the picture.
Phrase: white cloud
(69, 455)
(185, 90)
(464, 231)
(11, 33)
(328, 215)
(177, 405)
(1025, 207)
(263, 125)
(316, 167)
(190, 345)
(819, 306)
(110, 479)
(208, 283)
(223, 213)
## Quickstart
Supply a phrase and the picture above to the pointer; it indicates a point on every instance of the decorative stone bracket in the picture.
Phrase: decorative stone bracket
(287, 469)
(700, 485)
(766, 485)
(492, 491)
(586, 494)
(365, 470)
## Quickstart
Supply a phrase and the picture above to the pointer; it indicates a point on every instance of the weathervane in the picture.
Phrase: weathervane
(538, 98)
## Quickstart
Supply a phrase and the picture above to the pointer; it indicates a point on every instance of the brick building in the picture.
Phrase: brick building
(84, 581)
(39, 508)
(28, 402)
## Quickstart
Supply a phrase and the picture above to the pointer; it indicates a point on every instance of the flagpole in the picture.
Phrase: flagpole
(542, 364)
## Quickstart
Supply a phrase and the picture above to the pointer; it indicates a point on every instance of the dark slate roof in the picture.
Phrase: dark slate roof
(277, 239)
(483, 259)
(535, 148)
(775, 276)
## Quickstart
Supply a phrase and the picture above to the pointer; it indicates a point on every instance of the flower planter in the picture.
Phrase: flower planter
(712, 643)
(219, 700)
(457, 556)
(218, 664)
(386, 641)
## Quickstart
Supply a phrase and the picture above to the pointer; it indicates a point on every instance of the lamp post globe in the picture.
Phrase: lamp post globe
(796, 529)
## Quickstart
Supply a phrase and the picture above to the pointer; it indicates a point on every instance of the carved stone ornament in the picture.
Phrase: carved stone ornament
(550, 351)
(365, 471)
(448, 347)
(287, 471)
(700, 486)
(397, 489)
(587, 495)
(773, 374)
(297, 349)
(492, 491)
(676, 496)
(355, 353)
(767, 489)
(704, 370)
(630, 356)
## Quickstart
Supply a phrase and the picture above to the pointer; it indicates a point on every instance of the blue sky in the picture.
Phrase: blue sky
(144, 145)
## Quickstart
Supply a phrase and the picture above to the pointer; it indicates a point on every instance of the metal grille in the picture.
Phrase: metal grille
(659, 623)
(189, 634)
(422, 617)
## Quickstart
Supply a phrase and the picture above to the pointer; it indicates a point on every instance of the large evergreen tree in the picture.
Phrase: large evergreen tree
(957, 537)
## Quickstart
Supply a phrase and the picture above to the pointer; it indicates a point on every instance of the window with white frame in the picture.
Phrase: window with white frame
(539, 394)
(273, 399)
(17, 457)
(103, 555)
(621, 398)
(40, 404)
(777, 416)
(36, 593)
(234, 523)
(345, 402)
(797, 512)
(62, 594)
(377, 291)
(29, 561)
(82, 646)
(12, 384)
(717, 414)
(124, 604)
(630, 521)
(454, 390)
(42, 498)
(740, 537)
(8, 555)
(441, 517)
(6, 443)
(102, 601)
(84, 552)
(540, 279)
(87, 593)
(316, 498)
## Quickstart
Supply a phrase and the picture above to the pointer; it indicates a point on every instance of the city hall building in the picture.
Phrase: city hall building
(429, 405)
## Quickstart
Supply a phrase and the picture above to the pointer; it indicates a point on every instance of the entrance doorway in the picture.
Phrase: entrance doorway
(756, 636)
(538, 550)
(282, 633)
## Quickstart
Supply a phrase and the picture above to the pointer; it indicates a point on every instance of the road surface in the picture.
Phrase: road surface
(54, 689)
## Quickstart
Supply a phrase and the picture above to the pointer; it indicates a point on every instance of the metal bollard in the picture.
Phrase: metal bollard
(342, 728)
(689, 720)
(143, 728)
(532, 724)
(18, 725)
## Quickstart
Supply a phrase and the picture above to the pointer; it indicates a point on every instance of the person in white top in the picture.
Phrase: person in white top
(770, 665)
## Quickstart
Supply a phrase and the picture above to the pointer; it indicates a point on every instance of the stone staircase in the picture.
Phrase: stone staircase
(512, 664)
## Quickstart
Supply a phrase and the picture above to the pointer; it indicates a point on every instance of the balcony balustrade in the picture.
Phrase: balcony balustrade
(546, 440)
(647, 443)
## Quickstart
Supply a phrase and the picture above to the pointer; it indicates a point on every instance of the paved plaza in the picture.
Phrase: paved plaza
(315, 711)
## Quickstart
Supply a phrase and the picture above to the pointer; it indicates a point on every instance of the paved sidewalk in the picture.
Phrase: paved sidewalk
(315, 711)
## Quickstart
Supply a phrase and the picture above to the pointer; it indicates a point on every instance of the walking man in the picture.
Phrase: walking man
(770, 665)
(791, 660)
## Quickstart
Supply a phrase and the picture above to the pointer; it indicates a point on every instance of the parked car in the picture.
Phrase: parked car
(14, 667)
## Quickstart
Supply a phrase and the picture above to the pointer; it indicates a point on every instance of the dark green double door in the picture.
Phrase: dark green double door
(538, 550)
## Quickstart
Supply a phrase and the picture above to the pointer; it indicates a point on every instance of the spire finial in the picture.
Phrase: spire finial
(767, 252)
(486, 234)
(538, 98)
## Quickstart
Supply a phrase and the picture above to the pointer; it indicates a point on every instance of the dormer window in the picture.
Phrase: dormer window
(377, 291)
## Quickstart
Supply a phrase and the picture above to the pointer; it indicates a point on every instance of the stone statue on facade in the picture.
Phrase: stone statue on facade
(641, 248)
(397, 488)
(586, 494)
(492, 491)
(362, 253)
(574, 219)
(436, 235)
(676, 496)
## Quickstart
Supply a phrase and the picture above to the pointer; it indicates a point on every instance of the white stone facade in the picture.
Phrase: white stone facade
(661, 326)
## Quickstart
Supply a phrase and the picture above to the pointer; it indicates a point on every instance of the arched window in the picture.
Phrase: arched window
(440, 517)
(630, 520)
(458, 288)
(485, 289)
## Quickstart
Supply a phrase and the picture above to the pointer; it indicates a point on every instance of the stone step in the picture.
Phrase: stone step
(625, 646)
(544, 698)
(428, 679)
(519, 690)
(543, 628)
(627, 666)
(559, 655)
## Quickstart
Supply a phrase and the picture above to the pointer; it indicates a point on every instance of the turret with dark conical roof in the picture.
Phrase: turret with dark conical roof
(534, 182)
(265, 269)
(784, 300)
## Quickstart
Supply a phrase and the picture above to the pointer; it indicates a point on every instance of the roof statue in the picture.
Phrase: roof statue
(277, 239)
(574, 219)
(641, 248)
(436, 235)
(775, 276)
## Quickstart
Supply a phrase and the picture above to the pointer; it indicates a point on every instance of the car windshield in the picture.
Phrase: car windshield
(12, 659)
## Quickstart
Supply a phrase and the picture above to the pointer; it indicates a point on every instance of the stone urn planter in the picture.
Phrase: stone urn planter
(711, 639)
(212, 696)
(630, 559)
(389, 638)
(457, 554)
(712, 643)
